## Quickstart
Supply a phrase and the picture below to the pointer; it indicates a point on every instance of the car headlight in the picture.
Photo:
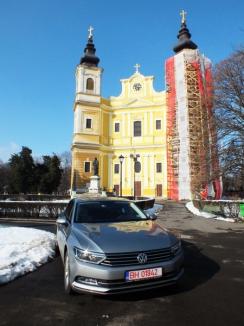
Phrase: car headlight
(175, 249)
(88, 256)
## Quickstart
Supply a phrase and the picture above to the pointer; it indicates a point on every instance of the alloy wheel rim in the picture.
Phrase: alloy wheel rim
(66, 272)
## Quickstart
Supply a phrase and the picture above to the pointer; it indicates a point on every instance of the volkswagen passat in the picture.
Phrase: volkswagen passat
(112, 246)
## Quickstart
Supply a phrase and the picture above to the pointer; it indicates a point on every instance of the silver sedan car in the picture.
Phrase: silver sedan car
(112, 246)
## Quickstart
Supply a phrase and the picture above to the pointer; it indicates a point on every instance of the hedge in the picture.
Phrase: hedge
(226, 208)
(37, 209)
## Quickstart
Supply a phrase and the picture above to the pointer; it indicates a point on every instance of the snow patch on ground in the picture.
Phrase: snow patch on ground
(197, 212)
(23, 250)
(154, 210)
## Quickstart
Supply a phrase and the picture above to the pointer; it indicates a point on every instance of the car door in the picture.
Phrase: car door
(64, 230)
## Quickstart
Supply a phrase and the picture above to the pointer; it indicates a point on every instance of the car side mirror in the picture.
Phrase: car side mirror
(151, 216)
(62, 220)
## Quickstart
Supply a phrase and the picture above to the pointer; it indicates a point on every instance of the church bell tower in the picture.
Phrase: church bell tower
(85, 145)
(192, 162)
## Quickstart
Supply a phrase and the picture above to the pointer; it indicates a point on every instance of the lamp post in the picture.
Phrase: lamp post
(134, 157)
(121, 159)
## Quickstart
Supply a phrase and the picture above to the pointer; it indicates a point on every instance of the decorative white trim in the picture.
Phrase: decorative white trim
(110, 171)
(85, 124)
(84, 164)
(133, 128)
(158, 119)
(117, 132)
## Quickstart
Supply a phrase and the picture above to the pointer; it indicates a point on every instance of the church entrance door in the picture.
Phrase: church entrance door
(159, 191)
(138, 188)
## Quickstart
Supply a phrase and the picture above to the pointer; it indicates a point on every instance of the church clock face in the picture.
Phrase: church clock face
(137, 87)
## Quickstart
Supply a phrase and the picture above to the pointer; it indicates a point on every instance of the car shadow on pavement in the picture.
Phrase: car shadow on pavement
(198, 270)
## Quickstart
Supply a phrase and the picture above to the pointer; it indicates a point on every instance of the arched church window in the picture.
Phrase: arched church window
(137, 128)
(90, 84)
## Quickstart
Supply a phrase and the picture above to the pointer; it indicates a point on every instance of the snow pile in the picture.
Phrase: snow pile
(23, 250)
(154, 210)
(197, 212)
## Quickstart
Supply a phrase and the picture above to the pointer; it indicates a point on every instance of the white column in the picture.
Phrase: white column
(77, 120)
(128, 126)
(123, 124)
(129, 169)
(110, 127)
(123, 175)
(101, 169)
(151, 123)
(152, 170)
(110, 172)
(145, 170)
(145, 124)
(80, 79)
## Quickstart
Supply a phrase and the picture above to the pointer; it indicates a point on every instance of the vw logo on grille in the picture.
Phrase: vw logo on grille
(142, 258)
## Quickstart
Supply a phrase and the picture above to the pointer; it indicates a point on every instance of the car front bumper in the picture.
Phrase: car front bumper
(99, 279)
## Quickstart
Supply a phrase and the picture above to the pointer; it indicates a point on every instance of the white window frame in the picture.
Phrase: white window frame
(118, 169)
(137, 120)
(160, 124)
(87, 118)
(119, 126)
(90, 90)
(85, 166)
(161, 167)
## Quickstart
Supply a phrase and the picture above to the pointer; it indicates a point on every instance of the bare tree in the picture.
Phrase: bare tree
(229, 113)
(4, 177)
(65, 182)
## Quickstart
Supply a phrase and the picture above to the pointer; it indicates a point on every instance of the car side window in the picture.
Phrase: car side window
(68, 211)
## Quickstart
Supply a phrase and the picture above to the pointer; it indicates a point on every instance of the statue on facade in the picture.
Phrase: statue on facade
(95, 165)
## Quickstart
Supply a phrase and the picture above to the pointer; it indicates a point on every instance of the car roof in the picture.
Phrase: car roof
(101, 199)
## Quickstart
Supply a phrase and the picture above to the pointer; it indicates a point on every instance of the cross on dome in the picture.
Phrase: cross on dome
(90, 30)
(137, 66)
(183, 14)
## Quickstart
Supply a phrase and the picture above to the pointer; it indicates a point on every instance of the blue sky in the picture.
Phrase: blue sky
(41, 42)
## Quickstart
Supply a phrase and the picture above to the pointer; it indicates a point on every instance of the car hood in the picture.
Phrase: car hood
(123, 236)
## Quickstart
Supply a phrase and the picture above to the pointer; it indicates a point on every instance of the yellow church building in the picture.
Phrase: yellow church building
(128, 132)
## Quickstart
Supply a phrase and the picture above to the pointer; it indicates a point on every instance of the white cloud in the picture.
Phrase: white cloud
(7, 150)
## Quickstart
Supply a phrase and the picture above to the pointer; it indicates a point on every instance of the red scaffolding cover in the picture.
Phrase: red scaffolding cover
(172, 182)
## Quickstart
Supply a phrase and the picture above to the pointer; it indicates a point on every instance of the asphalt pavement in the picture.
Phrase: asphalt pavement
(211, 291)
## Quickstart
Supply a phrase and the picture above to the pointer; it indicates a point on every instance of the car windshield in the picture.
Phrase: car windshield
(104, 212)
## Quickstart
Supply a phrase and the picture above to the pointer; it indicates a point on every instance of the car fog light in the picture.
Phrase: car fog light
(90, 281)
(86, 280)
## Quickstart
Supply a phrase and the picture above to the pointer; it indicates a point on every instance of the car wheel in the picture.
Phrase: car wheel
(67, 286)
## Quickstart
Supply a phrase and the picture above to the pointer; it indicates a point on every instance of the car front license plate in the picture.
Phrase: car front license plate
(143, 274)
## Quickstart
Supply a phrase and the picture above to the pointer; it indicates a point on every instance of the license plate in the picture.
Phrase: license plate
(143, 274)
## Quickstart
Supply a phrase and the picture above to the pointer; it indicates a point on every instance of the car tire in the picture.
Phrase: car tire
(67, 285)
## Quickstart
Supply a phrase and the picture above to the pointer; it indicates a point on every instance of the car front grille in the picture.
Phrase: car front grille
(130, 258)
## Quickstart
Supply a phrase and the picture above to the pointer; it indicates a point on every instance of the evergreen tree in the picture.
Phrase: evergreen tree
(22, 171)
(49, 173)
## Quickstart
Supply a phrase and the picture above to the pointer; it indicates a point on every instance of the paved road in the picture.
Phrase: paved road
(212, 291)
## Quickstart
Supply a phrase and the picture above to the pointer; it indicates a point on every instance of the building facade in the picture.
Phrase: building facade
(148, 143)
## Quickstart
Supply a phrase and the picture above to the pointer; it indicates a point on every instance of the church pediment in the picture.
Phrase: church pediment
(136, 90)
(138, 102)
